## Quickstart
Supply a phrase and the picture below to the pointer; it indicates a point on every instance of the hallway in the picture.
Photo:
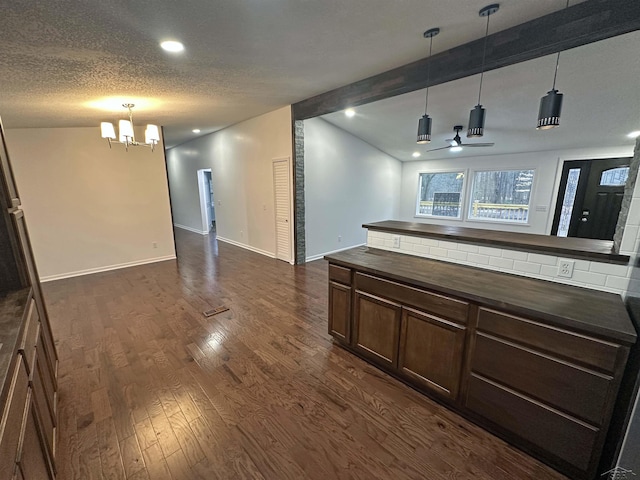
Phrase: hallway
(151, 389)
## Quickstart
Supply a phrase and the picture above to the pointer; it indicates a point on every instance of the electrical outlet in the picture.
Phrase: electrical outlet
(155, 244)
(339, 238)
(396, 241)
(241, 234)
(565, 268)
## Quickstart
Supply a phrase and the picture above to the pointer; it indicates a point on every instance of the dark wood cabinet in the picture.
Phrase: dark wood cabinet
(431, 352)
(541, 385)
(28, 358)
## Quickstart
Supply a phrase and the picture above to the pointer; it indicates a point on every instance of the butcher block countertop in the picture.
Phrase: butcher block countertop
(581, 248)
(586, 311)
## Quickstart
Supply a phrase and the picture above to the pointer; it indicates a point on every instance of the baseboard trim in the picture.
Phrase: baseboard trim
(318, 257)
(246, 247)
(89, 271)
(194, 230)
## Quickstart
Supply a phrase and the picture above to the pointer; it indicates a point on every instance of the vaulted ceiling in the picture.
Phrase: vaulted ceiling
(71, 63)
(601, 106)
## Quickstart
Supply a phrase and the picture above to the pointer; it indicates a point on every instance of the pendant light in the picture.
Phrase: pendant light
(476, 117)
(551, 103)
(424, 124)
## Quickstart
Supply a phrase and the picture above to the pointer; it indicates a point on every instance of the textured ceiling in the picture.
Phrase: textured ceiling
(601, 105)
(242, 57)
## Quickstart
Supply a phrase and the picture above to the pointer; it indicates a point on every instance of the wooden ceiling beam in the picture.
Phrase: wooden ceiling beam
(583, 23)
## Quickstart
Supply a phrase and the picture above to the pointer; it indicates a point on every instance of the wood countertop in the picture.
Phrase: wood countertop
(12, 310)
(587, 311)
(582, 248)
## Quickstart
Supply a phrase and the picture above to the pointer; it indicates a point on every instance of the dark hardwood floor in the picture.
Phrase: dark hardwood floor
(151, 389)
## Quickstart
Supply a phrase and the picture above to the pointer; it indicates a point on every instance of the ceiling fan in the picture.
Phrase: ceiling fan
(456, 142)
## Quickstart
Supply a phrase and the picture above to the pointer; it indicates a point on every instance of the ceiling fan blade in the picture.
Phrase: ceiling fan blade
(436, 149)
(477, 144)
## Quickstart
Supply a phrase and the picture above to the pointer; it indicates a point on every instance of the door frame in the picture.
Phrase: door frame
(203, 190)
(580, 161)
(291, 259)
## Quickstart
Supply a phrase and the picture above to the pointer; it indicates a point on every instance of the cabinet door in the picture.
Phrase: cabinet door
(431, 351)
(44, 402)
(33, 461)
(340, 311)
(377, 328)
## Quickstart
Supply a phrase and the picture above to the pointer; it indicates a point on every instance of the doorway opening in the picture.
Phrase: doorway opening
(207, 202)
(590, 197)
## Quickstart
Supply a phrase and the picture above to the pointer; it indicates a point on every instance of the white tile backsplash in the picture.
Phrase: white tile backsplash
(607, 277)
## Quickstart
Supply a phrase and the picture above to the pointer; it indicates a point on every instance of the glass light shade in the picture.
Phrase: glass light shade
(125, 129)
(476, 122)
(107, 130)
(550, 109)
(151, 134)
(424, 130)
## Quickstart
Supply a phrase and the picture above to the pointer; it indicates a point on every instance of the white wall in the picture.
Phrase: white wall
(89, 208)
(183, 163)
(347, 183)
(548, 166)
(240, 158)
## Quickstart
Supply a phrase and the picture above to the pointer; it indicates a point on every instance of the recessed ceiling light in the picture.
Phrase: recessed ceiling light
(416, 154)
(455, 149)
(349, 112)
(172, 46)
(635, 134)
(196, 130)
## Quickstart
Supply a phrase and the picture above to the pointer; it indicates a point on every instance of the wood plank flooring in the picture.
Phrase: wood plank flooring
(151, 389)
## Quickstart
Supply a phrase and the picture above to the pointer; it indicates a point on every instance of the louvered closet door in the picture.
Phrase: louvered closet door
(281, 179)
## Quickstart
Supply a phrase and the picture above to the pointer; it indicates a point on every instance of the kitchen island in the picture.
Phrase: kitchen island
(537, 363)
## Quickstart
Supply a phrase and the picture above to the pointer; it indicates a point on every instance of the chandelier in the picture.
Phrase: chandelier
(126, 134)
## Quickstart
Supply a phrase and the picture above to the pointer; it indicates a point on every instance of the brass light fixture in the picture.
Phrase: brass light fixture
(551, 103)
(126, 134)
(424, 124)
(477, 115)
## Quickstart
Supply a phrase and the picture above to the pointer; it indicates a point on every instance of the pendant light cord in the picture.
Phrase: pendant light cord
(426, 103)
(555, 75)
(484, 53)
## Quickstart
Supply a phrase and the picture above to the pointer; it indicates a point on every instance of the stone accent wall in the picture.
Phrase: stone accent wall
(628, 195)
(298, 141)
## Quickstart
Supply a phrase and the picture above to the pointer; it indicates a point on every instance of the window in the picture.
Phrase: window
(501, 195)
(614, 177)
(440, 194)
(568, 201)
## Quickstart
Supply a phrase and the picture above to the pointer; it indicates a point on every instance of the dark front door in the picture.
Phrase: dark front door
(590, 198)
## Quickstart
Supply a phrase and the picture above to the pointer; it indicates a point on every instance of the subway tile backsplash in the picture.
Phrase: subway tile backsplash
(607, 277)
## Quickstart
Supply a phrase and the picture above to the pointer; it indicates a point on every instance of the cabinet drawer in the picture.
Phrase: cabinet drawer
(546, 429)
(575, 390)
(429, 302)
(580, 349)
(30, 337)
(11, 423)
(339, 274)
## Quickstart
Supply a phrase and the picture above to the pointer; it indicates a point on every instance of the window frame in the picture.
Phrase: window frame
(463, 194)
(472, 175)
